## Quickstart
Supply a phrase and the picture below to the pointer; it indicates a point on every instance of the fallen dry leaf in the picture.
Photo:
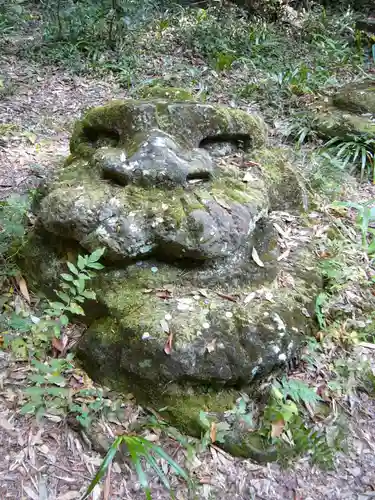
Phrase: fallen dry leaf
(228, 297)
(165, 326)
(280, 230)
(31, 493)
(168, 344)
(256, 258)
(7, 426)
(284, 255)
(163, 294)
(57, 344)
(249, 297)
(23, 289)
(367, 345)
(222, 204)
(251, 164)
(69, 495)
(211, 346)
(213, 432)
(277, 428)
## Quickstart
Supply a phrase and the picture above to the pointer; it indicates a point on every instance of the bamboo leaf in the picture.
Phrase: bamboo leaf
(103, 466)
(163, 478)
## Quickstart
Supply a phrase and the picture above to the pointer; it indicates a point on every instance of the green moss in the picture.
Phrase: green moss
(337, 123)
(164, 92)
(271, 161)
(189, 122)
(184, 404)
(43, 262)
(250, 445)
(285, 183)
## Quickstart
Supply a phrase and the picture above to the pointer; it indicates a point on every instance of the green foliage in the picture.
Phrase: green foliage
(320, 301)
(49, 383)
(12, 12)
(42, 330)
(288, 428)
(274, 64)
(364, 220)
(297, 391)
(224, 60)
(299, 128)
(349, 376)
(208, 423)
(302, 79)
(49, 392)
(72, 294)
(12, 227)
(138, 449)
(356, 151)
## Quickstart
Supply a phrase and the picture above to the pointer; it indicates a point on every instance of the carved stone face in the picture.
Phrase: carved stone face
(148, 184)
(158, 162)
(189, 296)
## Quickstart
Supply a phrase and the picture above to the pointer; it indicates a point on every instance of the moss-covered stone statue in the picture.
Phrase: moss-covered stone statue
(194, 304)
(350, 112)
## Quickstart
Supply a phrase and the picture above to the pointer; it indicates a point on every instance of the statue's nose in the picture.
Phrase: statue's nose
(158, 161)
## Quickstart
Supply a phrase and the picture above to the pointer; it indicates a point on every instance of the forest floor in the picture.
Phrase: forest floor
(50, 461)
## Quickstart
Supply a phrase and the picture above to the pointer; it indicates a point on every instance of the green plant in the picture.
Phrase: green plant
(296, 390)
(286, 424)
(300, 128)
(350, 376)
(355, 150)
(365, 217)
(49, 391)
(72, 293)
(48, 326)
(224, 60)
(138, 448)
(320, 301)
(12, 228)
(298, 81)
(213, 431)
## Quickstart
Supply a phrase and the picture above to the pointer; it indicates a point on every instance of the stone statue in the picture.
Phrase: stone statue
(194, 303)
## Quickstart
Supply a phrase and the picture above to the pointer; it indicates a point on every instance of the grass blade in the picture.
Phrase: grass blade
(103, 466)
(163, 478)
(135, 458)
(179, 470)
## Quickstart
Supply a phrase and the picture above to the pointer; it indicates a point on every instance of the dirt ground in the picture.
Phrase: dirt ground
(51, 461)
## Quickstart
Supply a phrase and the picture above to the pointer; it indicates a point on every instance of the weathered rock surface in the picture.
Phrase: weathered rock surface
(350, 112)
(194, 303)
